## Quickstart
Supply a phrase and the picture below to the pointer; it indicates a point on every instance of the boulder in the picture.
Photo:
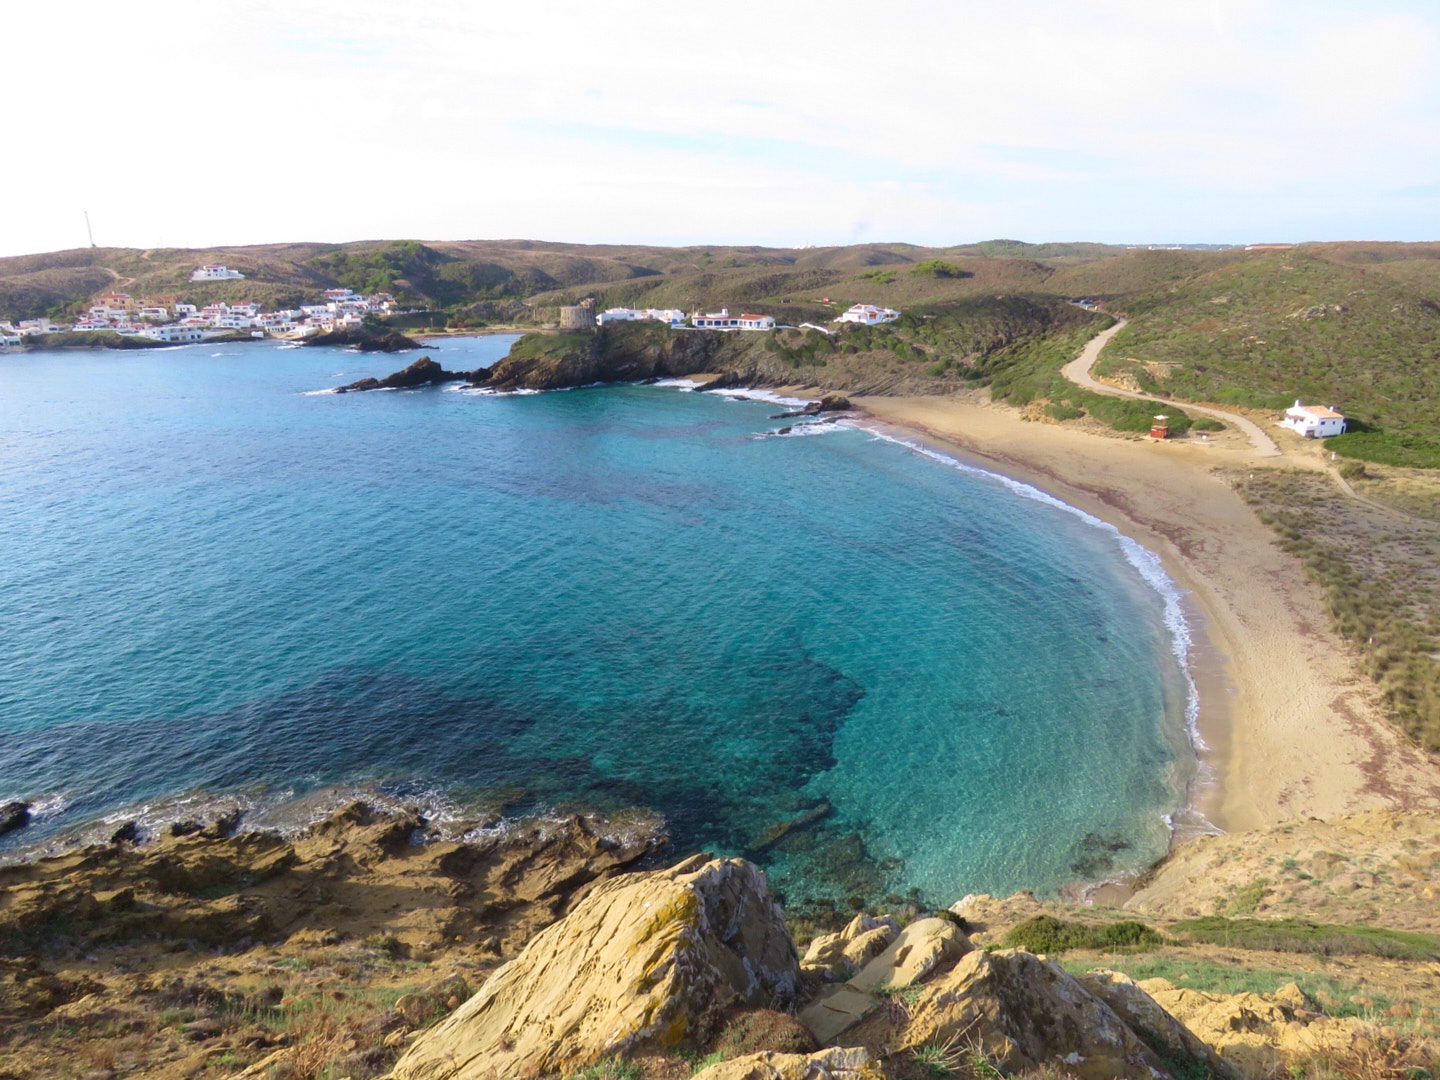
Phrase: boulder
(841, 955)
(643, 962)
(14, 815)
(919, 949)
(1025, 1010)
(1169, 1038)
(910, 957)
(828, 403)
(836, 1063)
(1257, 1035)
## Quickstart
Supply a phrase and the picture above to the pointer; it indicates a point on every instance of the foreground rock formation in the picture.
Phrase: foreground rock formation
(357, 873)
(648, 962)
(368, 945)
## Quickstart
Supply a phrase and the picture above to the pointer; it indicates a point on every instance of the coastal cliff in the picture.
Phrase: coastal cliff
(364, 946)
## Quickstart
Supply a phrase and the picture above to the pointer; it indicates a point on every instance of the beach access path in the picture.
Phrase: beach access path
(1078, 372)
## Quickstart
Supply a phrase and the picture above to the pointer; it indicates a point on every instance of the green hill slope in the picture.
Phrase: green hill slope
(1268, 328)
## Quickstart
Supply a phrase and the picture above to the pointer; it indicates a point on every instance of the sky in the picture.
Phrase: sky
(184, 124)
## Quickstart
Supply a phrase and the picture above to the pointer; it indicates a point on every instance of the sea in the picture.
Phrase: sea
(876, 669)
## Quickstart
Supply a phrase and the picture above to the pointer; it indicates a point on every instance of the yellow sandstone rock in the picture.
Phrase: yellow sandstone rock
(643, 962)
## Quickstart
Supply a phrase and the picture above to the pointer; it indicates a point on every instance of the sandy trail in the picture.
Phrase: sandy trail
(1078, 372)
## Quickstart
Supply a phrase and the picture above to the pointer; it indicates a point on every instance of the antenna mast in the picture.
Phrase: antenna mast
(89, 231)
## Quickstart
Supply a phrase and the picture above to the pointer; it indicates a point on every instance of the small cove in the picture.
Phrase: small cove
(605, 597)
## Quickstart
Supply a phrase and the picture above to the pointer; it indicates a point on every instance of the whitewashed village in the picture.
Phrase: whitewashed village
(170, 320)
(581, 317)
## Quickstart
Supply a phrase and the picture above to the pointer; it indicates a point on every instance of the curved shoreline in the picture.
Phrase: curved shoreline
(1152, 570)
(1294, 730)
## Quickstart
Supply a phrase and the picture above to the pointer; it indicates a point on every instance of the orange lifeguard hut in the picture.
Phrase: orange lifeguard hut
(1160, 427)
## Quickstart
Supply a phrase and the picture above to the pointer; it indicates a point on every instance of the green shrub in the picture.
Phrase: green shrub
(1206, 423)
(1047, 934)
(937, 268)
(1058, 410)
(1385, 448)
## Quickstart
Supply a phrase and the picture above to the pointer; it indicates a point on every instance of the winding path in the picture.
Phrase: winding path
(1078, 372)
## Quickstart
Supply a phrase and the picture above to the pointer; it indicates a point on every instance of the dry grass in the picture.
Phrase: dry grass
(1380, 573)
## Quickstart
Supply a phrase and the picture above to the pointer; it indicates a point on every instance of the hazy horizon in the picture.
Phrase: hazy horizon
(1223, 122)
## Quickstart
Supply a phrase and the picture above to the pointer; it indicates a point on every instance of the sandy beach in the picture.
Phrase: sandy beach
(1292, 728)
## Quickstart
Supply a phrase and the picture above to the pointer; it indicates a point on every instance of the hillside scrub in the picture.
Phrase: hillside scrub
(1265, 330)
(1403, 451)
(1380, 578)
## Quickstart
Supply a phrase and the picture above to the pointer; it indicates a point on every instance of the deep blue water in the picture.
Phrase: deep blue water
(213, 582)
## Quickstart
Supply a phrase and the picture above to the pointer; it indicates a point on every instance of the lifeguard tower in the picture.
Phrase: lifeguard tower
(1160, 427)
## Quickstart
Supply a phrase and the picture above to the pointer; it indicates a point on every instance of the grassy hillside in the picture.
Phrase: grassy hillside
(1266, 329)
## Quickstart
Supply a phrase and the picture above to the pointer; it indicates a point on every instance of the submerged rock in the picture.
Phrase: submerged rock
(14, 815)
(648, 961)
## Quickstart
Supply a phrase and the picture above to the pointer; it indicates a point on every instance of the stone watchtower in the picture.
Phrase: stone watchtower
(579, 317)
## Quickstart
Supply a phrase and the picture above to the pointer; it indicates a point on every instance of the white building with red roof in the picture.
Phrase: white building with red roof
(1313, 421)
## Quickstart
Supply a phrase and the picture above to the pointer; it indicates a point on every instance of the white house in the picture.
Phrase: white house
(173, 333)
(10, 340)
(673, 316)
(869, 315)
(715, 320)
(723, 320)
(154, 314)
(215, 272)
(1313, 421)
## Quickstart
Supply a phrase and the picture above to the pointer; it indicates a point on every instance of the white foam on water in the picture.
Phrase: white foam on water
(800, 431)
(678, 384)
(744, 393)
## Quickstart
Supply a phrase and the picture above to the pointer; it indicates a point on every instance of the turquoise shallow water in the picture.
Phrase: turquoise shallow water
(213, 581)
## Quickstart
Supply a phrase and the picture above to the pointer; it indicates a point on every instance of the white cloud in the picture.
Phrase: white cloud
(192, 124)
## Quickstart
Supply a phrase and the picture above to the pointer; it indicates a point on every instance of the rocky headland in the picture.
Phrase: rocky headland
(366, 946)
(365, 338)
(637, 352)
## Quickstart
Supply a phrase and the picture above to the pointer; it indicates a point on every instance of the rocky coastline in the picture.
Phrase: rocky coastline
(364, 947)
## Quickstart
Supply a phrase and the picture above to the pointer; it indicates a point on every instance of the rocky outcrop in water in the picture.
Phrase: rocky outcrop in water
(647, 962)
(365, 338)
(828, 403)
(423, 372)
(14, 815)
(611, 355)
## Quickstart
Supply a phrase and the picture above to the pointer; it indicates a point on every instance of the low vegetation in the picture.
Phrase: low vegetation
(1380, 576)
(1302, 936)
(1383, 448)
(1047, 934)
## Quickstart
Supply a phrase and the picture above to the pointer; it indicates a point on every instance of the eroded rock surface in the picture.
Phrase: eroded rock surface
(648, 961)
(1026, 1010)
